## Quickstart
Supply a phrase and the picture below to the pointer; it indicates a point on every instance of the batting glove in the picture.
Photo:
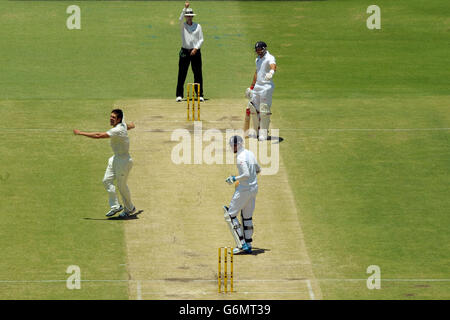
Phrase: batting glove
(269, 75)
(230, 179)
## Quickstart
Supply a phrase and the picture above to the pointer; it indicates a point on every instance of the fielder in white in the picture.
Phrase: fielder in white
(261, 91)
(244, 197)
(119, 165)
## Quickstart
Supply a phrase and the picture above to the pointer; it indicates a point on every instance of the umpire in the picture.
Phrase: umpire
(192, 39)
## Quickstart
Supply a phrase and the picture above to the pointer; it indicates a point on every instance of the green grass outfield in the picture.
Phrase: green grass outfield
(366, 193)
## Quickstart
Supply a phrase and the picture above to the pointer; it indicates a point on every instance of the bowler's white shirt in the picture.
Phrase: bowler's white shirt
(191, 35)
(247, 166)
(120, 143)
(263, 67)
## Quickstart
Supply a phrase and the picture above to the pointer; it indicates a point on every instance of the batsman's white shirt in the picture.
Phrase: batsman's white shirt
(247, 167)
(263, 90)
(245, 194)
(263, 67)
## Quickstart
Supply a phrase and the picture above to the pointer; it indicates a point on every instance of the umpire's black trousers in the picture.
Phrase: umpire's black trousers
(183, 66)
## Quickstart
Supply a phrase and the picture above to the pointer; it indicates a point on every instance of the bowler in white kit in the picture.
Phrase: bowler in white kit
(119, 165)
(261, 91)
(244, 197)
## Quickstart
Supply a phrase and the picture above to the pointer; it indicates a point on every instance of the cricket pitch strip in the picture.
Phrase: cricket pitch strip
(172, 246)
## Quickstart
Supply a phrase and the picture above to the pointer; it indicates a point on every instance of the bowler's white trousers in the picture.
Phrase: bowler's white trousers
(119, 166)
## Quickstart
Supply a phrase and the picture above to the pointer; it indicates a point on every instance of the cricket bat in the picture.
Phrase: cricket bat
(246, 121)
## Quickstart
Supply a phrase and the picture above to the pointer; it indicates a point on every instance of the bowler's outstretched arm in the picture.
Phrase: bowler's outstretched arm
(100, 135)
(93, 135)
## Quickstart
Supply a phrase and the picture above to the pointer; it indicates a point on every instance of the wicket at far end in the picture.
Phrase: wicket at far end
(191, 90)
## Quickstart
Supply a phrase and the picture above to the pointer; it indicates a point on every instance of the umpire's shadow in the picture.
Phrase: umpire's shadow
(117, 218)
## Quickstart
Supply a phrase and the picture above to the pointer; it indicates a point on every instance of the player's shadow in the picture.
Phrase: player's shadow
(273, 139)
(255, 251)
(134, 216)
(185, 99)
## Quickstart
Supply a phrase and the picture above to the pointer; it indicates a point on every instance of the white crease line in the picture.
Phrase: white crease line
(319, 129)
(234, 292)
(139, 291)
(310, 290)
(215, 280)
(391, 280)
(284, 129)
(315, 129)
(52, 281)
(185, 121)
(378, 129)
(298, 129)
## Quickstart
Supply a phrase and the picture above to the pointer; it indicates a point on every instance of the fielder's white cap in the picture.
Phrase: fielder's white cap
(189, 12)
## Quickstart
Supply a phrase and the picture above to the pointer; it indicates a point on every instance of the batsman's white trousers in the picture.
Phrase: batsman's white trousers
(118, 169)
(262, 94)
(243, 200)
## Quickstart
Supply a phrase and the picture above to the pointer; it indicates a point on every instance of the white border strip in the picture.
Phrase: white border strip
(215, 280)
(310, 290)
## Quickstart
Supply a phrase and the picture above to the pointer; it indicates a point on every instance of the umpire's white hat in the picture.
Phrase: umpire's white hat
(189, 13)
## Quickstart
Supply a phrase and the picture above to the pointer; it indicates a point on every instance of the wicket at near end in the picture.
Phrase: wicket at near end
(191, 87)
(223, 278)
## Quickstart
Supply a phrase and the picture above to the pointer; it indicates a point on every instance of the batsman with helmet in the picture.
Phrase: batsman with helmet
(244, 197)
(261, 91)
